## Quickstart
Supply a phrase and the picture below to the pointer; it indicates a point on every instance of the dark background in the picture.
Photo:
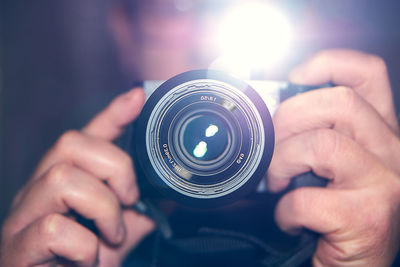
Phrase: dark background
(59, 65)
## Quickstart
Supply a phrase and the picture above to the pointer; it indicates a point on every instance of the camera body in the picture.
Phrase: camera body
(205, 138)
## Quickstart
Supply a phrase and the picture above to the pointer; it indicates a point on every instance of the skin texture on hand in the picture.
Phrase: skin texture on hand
(85, 173)
(348, 134)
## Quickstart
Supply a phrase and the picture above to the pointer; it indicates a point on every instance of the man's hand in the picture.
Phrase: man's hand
(85, 173)
(348, 134)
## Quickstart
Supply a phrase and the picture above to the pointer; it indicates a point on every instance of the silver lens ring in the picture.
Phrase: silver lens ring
(232, 96)
(185, 161)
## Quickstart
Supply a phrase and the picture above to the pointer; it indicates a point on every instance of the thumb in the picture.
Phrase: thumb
(110, 122)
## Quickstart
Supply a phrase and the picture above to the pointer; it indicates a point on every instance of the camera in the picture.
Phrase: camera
(205, 138)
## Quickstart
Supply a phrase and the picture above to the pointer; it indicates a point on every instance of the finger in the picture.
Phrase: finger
(327, 153)
(138, 226)
(110, 122)
(342, 109)
(64, 188)
(97, 157)
(318, 209)
(50, 237)
(365, 73)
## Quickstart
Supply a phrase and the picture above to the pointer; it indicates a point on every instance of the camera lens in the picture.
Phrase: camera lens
(204, 137)
(204, 141)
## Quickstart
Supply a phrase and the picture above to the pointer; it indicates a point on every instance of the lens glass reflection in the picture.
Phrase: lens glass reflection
(205, 137)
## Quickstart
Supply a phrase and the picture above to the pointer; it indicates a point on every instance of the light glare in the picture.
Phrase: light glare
(253, 35)
(211, 130)
(200, 150)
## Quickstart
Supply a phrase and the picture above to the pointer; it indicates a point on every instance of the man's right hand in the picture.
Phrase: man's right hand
(85, 173)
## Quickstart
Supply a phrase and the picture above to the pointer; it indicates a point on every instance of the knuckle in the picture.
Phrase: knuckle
(348, 97)
(66, 139)
(345, 92)
(324, 144)
(50, 225)
(58, 174)
(378, 64)
(51, 229)
(349, 102)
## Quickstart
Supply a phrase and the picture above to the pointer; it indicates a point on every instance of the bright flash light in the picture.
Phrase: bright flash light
(252, 35)
(200, 150)
(211, 130)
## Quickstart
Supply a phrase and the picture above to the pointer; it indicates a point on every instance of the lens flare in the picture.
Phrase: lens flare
(211, 130)
(200, 150)
(252, 35)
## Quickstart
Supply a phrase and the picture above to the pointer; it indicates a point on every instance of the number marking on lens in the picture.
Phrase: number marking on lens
(178, 169)
(208, 98)
(241, 157)
(168, 155)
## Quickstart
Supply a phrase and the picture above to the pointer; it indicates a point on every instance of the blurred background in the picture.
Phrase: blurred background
(59, 65)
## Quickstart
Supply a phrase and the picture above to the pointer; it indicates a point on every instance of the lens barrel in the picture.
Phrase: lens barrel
(204, 138)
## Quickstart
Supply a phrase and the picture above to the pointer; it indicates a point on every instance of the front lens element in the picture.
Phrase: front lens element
(205, 137)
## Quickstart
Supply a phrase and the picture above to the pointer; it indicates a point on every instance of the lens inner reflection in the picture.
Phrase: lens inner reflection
(205, 137)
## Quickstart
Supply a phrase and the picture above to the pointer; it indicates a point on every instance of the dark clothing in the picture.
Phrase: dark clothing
(243, 234)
